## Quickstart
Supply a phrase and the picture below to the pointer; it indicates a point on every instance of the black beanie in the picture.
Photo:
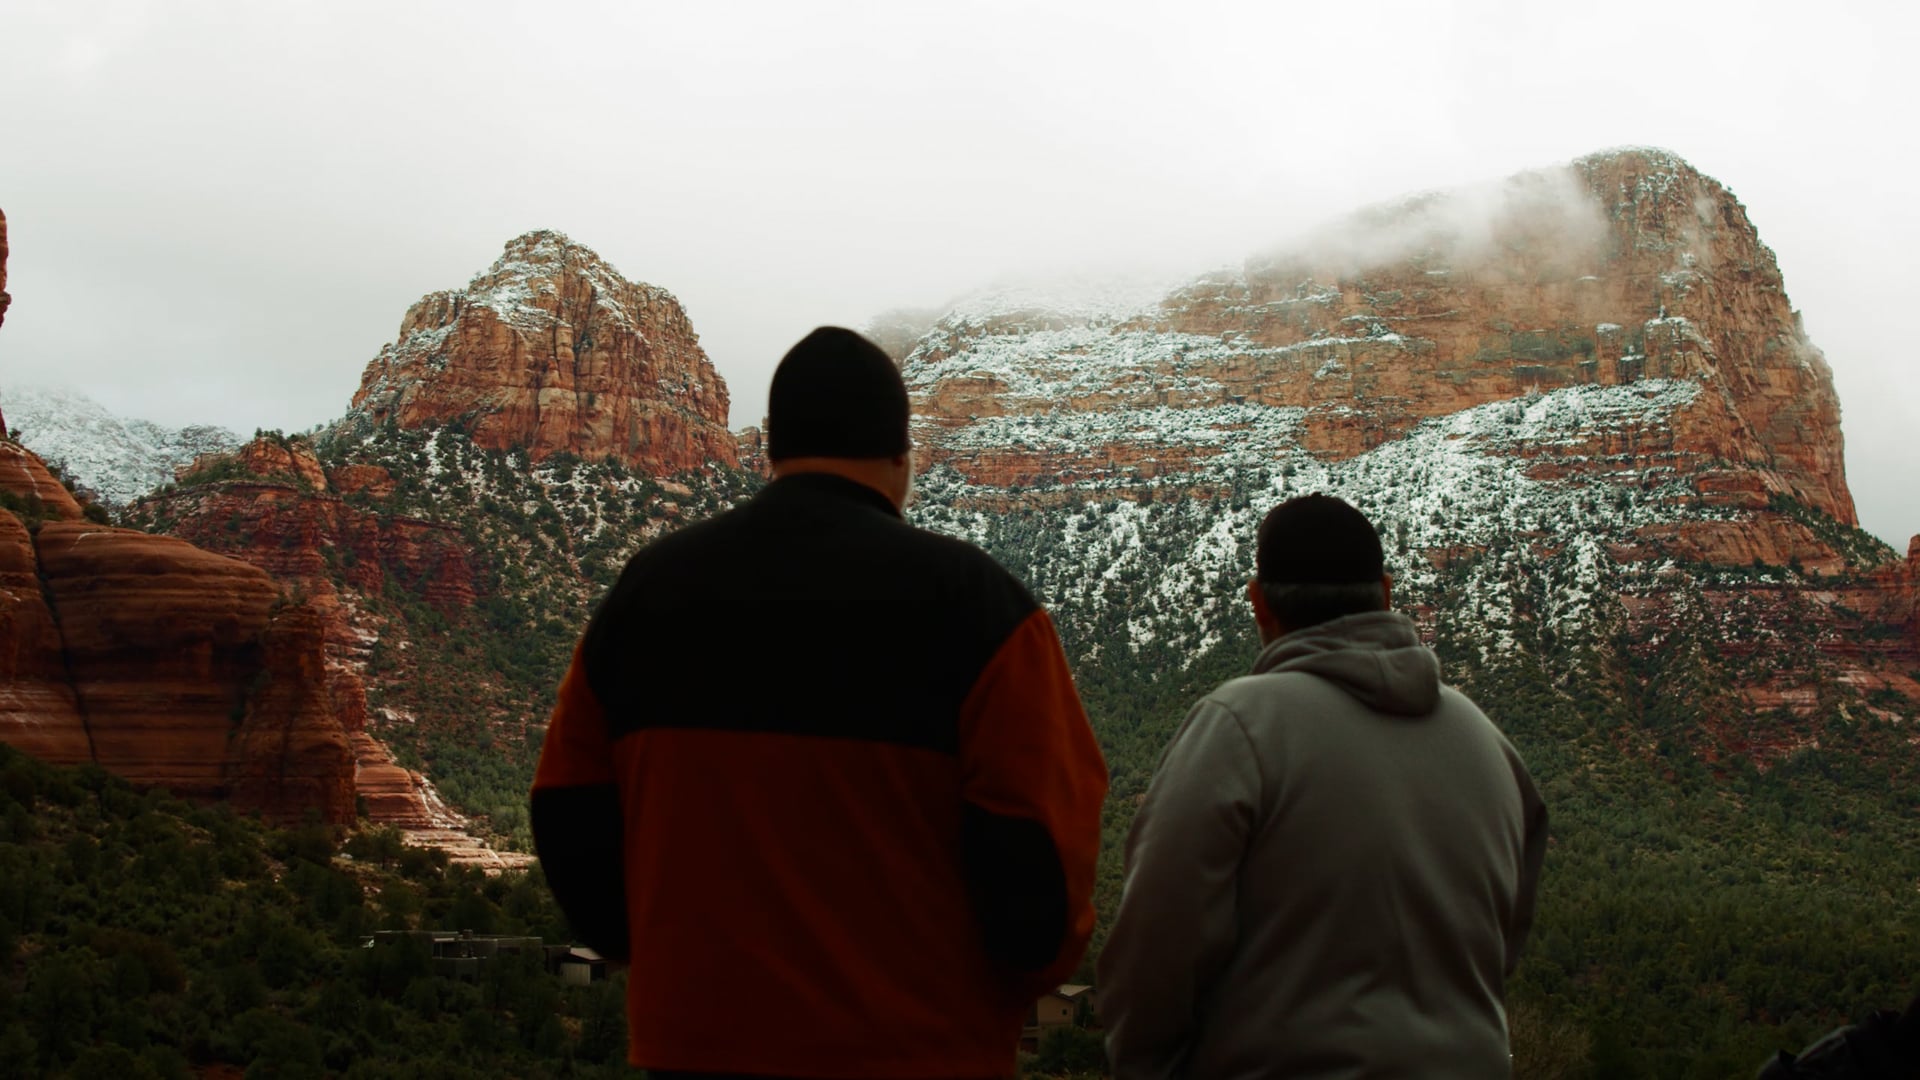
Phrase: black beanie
(835, 394)
(1318, 540)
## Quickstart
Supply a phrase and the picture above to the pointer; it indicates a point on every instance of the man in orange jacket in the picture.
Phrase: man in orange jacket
(821, 776)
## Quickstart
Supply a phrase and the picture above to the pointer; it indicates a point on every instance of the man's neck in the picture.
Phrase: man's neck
(876, 473)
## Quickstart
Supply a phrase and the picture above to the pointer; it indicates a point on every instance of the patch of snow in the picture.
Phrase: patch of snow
(1452, 483)
(116, 458)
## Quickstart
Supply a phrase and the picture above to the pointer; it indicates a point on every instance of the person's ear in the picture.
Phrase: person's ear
(1262, 613)
(903, 478)
(1386, 592)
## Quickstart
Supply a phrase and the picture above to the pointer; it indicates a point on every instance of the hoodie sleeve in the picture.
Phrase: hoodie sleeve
(1533, 853)
(1033, 782)
(577, 825)
(1175, 932)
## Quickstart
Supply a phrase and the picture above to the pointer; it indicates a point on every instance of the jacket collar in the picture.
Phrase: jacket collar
(815, 486)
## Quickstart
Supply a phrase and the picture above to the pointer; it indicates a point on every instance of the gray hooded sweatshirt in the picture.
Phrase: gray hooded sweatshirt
(1331, 876)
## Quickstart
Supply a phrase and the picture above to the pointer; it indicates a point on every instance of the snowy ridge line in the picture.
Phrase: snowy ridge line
(1092, 298)
(1453, 484)
(1088, 359)
(524, 275)
(1246, 428)
(1249, 436)
(526, 270)
(116, 458)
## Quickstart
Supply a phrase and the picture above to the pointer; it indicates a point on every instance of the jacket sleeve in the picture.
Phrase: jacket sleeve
(1033, 782)
(577, 826)
(1533, 853)
(1177, 925)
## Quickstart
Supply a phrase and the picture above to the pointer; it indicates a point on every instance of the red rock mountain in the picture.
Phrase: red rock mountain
(1583, 375)
(1624, 266)
(553, 351)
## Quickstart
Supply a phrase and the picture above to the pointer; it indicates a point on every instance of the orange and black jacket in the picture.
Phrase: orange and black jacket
(824, 778)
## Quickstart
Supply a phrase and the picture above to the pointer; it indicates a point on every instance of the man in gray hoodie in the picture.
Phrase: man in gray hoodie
(1333, 872)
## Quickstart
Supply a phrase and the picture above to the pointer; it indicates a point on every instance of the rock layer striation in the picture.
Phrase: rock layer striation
(168, 665)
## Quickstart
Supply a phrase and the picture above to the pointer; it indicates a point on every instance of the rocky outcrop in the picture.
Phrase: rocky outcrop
(1895, 598)
(38, 711)
(292, 753)
(5, 300)
(1625, 266)
(394, 795)
(31, 487)
(1909, 591)
(267, 457)
(551, 350)
(751, 444)
(170, 666)
(162, 640)
(398, 796)
(372, 481)
(274, 506)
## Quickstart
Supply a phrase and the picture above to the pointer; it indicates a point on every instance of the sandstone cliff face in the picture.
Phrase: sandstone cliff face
(291, 751)
(38, 711)
(4, 298)
(553, 351)
(751, 446)
(1897, 592)
(169, 666)
(284, 515)
(277, 509)
(163, 641)
(1627, 266)
(25, 477)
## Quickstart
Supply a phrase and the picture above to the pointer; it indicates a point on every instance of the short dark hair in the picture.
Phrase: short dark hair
(1318, 559)
(836, 394)
(1300, 606)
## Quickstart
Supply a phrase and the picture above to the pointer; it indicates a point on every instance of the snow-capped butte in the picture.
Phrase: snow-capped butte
(552, 351)
(117, 458)
(1577, 404)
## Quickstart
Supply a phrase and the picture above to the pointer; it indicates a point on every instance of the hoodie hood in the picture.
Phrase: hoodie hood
(1376, 657)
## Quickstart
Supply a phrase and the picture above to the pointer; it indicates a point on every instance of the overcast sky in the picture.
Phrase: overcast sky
(220, 211)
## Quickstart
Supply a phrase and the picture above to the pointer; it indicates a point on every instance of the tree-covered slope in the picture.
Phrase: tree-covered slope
(144, 938)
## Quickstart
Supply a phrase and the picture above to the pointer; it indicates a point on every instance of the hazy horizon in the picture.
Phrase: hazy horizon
(219, 212)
